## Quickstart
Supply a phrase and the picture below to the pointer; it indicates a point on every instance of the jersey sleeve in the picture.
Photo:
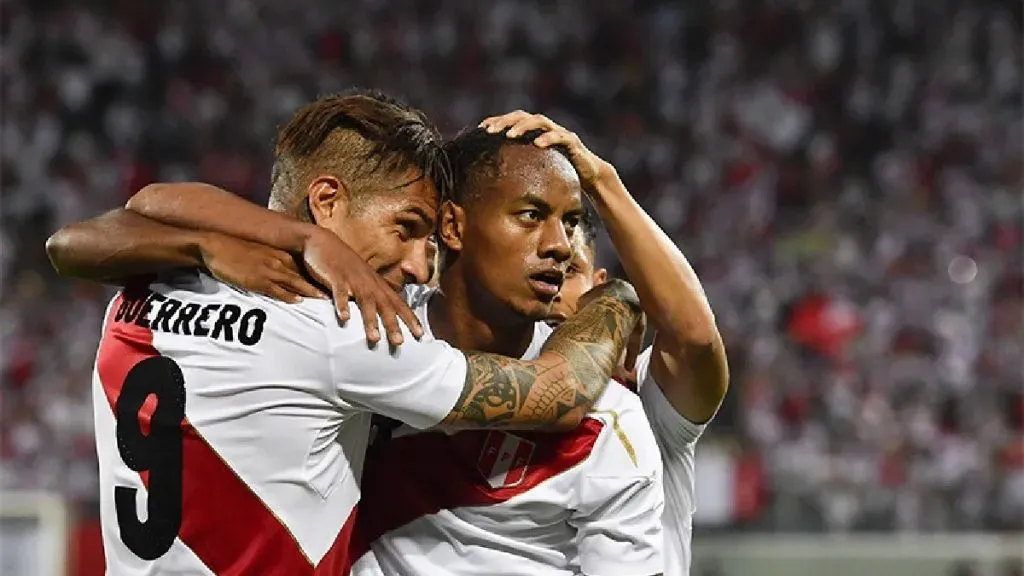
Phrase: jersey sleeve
(671, 429)
(417, 383)
(618, 522)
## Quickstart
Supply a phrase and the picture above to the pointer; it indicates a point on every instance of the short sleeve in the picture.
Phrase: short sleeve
(417, 383)
(670, 427)
(619, 529)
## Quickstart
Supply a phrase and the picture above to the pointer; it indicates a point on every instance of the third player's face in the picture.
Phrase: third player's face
(519, 233)
(393, 233)
(581, 277)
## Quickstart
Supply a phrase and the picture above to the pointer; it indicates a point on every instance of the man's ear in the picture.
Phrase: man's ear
(600, 276)
(327, 198)
(451, 225)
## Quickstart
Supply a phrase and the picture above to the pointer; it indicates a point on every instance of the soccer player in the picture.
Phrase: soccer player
(240, 423)
(586, 501)
(683, 377)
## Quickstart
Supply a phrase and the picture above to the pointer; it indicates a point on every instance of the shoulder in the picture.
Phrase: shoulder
(193, 305)
(199, 286)
(627, 446)
(541, 332)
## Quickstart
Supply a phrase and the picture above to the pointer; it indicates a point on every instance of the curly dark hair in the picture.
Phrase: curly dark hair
(590, 226)
(475, 156)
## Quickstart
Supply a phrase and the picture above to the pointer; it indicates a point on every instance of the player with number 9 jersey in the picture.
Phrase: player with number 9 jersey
(231, 428)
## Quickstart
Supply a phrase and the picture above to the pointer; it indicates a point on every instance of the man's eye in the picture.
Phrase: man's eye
(533, 215)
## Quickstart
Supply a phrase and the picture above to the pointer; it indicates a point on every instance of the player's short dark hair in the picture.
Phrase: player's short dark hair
(475, 156)
(590, 226)
(364, 138)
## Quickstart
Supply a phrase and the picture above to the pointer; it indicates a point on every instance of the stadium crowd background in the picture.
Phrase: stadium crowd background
(845, 175)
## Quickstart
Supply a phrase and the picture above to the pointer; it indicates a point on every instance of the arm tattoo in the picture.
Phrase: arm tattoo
(574, 367)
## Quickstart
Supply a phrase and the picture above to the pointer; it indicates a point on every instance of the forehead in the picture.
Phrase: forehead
(414, 192)
(526, 170)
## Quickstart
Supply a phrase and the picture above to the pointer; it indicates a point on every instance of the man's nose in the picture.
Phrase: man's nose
(555, 242)
(416, 264)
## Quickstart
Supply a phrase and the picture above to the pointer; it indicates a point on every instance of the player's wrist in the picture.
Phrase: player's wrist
(298, 236)
(607, 185)
(201, 246)
(310, 235)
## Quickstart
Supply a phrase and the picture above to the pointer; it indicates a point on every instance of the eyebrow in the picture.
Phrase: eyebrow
(530, 198)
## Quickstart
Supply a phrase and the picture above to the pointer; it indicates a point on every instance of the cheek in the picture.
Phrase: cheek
(571, 292)
(497, 251)
(504, 230)
(392, 250)
(382, 250)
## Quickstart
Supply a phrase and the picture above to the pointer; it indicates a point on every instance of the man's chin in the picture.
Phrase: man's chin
(535, 310)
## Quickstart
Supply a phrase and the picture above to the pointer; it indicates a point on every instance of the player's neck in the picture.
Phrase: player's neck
(462, 321)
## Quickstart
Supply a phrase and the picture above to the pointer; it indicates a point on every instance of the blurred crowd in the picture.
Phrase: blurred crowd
(846, 176)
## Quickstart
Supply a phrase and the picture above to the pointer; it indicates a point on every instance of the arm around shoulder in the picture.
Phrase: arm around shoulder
(425, 383)
(121, 244)
(199, 206)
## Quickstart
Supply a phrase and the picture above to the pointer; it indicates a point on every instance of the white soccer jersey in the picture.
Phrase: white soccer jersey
(677, 438)
(517, 503)
(231, 429)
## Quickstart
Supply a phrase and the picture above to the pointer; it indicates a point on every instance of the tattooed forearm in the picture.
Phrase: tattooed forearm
(494, 392)
(558, 388)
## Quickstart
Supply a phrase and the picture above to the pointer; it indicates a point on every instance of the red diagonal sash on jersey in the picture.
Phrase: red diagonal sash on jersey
(223, 522)
(422, 474)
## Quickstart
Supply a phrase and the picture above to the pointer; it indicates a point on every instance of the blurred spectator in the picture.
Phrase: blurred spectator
(846, 176)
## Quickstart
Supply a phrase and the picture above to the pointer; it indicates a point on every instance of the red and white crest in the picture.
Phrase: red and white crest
(504, 459)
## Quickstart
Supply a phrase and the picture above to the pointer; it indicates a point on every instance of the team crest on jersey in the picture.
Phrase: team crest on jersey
(504, 459)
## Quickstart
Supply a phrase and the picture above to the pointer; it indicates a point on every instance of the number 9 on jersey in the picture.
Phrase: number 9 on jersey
(159, 453)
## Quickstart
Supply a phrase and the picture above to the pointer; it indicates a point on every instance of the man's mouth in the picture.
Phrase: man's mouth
(547, 282)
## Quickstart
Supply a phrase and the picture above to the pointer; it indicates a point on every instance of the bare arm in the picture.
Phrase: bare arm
(121, 244)
(199, 206)
(167, 226)
(688, 361)
(252, 247)
(557, 389)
